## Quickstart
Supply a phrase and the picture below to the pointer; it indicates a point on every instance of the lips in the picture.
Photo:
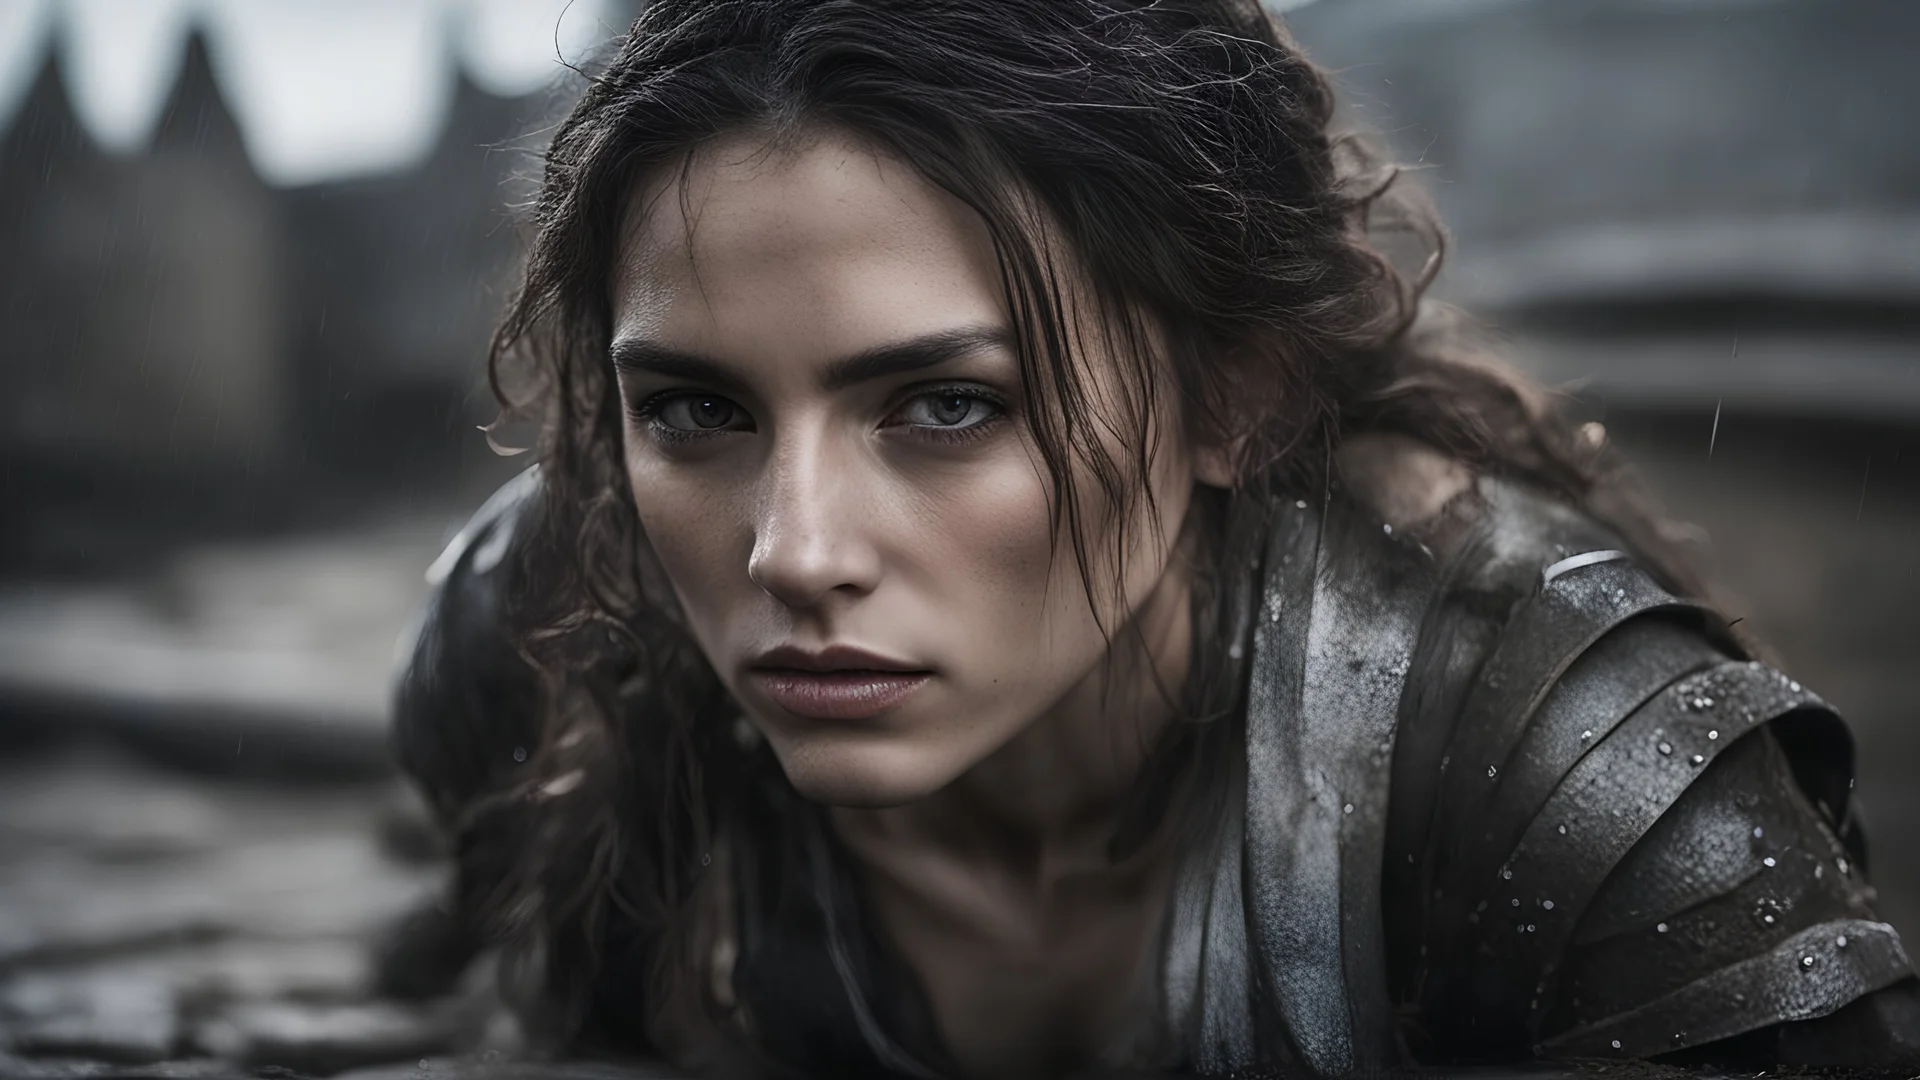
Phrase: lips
(837, 683)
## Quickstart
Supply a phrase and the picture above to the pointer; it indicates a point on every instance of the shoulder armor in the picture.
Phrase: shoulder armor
(1574, 762)
(465, 699)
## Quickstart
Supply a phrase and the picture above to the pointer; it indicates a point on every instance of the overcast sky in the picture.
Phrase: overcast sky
(322, 89)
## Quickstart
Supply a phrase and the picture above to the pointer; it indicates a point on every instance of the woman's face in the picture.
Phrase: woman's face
(827, 452)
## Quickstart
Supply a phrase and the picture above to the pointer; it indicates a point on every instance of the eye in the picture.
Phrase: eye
(948, 410)
(688, 414)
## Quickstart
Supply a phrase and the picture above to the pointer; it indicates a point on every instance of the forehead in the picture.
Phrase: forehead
(824, 244)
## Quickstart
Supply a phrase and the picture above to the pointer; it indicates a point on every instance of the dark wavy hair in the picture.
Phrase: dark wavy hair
(1175, 155)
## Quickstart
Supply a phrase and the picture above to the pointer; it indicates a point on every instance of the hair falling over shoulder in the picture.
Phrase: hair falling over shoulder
(1175, 153)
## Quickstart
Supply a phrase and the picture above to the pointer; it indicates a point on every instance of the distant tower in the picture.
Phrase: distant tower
(141, 294)
(212, 326)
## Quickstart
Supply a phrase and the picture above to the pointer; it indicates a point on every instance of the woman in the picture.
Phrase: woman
(1016, 583)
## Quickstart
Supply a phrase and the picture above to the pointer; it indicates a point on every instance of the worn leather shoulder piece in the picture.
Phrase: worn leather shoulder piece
(1579, 599)
(1740, 909)
(1599, 689)
(1525, 915)
(465, 699)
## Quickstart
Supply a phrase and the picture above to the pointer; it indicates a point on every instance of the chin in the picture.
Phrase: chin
(863, 772)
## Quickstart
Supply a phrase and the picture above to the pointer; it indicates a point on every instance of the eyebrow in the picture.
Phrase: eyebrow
(638, 355)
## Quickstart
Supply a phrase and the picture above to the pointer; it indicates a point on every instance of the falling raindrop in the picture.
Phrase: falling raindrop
(1661, 929)
(1616, 1044)
(1300, 504)
(1529, 928)
(519, 753)
(1516, 901)
(1388, 529)
(1666, 748)
(1548, 904)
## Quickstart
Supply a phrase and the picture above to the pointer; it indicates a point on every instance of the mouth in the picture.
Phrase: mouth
(838, 683)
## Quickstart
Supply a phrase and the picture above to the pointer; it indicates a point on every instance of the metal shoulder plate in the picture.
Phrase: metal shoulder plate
(1576, 764)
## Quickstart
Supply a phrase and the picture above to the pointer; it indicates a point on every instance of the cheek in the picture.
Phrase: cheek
(693, 535)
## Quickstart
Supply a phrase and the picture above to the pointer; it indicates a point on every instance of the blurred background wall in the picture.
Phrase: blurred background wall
(250, 251)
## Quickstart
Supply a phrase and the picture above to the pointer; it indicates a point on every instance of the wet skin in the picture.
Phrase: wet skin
(827, 450)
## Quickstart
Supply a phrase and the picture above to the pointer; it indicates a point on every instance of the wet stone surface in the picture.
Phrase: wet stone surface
(159, 924)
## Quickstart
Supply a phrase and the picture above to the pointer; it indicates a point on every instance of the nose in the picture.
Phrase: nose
(811, 539)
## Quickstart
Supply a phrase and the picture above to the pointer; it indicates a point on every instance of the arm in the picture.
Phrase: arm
(463, 705)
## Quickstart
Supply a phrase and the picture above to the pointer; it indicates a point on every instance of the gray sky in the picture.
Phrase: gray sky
(322, 89)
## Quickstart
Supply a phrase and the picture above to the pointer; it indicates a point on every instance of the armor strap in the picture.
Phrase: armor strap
(1333, 642)
(1810, 974)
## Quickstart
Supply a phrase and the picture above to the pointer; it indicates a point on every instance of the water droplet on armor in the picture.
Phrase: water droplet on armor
(1409, 858)
(1807, 962)
(1493, 771)
(1739, 999)
(1388, 529)
(1666, 748)
(1842, 864)
(1347, 809)
(1819, 871)
(1587, 734)
(1698, 759)
(1661, 929)
(1529, 928)
(706, 859)
(1616, 1044)
(1840, 942)
(1516, 901)
(519, 753)
(1767, 919)
(1713, 734)
(1793, 686)
(1234, 651)
(1548, 904)
(1563, 830)
(1758, 832)
(1768, 861)
(1506, 874)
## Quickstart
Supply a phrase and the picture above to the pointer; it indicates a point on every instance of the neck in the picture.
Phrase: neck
(1052, 797)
